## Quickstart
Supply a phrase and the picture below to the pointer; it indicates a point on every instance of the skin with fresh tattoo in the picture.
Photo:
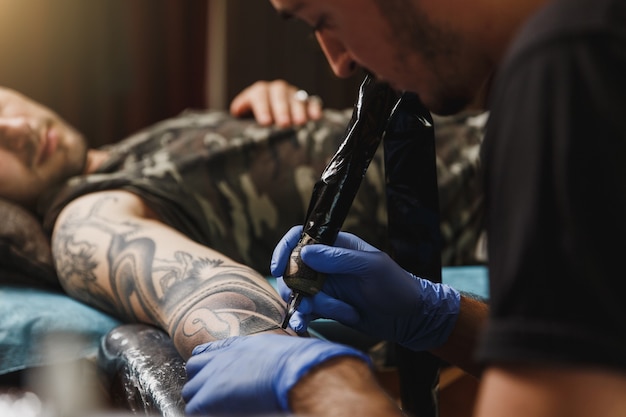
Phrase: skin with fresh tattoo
(111, 251)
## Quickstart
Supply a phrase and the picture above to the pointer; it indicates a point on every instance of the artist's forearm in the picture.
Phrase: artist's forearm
(538, 390)
(459, 349)
(109, 253)
(343, 386)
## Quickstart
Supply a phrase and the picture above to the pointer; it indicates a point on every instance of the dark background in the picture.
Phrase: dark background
(111, 67)
(263, 45)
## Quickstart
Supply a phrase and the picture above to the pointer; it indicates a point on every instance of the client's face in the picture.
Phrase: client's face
(37, 149)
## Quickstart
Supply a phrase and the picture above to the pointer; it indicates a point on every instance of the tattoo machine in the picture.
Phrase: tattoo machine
(334, 192)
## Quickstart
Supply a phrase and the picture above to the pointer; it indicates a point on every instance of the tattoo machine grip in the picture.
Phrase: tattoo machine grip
(335, 191)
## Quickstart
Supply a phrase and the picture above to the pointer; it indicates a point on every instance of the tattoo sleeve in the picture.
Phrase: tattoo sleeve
(141, 270)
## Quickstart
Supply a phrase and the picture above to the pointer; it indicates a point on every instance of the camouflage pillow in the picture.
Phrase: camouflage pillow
(25, 256)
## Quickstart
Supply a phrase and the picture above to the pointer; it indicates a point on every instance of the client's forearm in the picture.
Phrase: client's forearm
(112, 253)
(343, 386)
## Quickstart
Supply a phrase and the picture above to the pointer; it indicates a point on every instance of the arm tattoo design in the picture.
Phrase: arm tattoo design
(190, 295)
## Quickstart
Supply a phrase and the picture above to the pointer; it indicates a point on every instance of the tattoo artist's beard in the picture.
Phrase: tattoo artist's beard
(436, 47)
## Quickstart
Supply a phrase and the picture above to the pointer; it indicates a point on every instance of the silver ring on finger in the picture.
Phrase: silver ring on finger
(301, 96)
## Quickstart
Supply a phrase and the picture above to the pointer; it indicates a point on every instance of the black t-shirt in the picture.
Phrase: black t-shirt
(555, 171)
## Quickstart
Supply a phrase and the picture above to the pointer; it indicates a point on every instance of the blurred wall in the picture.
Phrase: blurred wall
(109, 67)
(255, 43)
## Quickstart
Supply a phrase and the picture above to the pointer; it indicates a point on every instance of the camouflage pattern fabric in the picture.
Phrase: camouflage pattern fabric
(237, 187)
(458, 140)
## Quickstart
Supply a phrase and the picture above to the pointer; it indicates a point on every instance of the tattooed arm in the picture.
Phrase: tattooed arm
(112, 252)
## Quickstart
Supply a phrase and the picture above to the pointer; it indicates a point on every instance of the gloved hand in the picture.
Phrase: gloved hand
(253, 374)
(367, 290)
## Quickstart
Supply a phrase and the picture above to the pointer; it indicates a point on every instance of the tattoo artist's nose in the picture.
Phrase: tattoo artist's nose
(340, 60)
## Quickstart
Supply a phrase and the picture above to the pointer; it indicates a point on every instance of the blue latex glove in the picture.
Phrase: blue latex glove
(367, 290)
(253, 374)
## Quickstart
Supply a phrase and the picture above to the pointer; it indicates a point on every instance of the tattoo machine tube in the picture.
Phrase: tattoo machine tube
(337, 187)
(414, 232)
